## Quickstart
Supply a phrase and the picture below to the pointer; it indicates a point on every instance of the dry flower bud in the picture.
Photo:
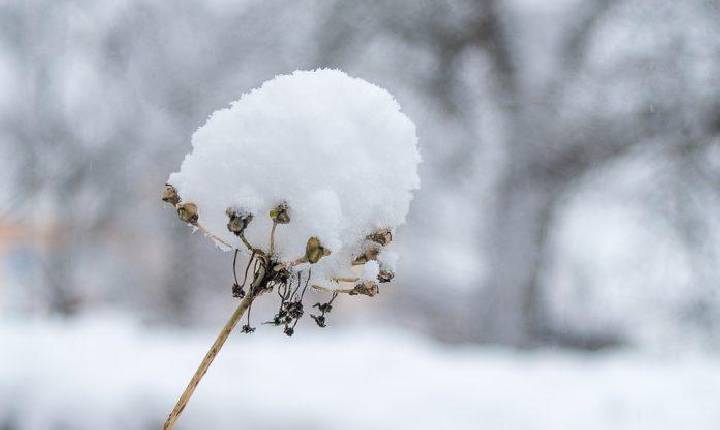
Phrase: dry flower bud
(187, 212)
(367, 288)
(170, 195)
(385, 276)
(314, 251)
(383, 236)
(238, 291)
(280, 214)
(369, 255)
(238, 220)
(319, 320)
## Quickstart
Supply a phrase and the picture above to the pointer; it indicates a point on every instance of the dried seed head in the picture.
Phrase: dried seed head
(319, 320)
(170, 195)
(360, 260)
(280, 214)
(369, 255)
(276, 321)
(238, 220)
(238, 291)
(325, 308)
(280, 273)
(383, 236)
(314, 251)
(385, 276)
(187, 212)
(367, 288)
(294, 309)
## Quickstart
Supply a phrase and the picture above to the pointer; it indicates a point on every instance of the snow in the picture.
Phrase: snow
(336, 149)
(371, 269)
(113, 374)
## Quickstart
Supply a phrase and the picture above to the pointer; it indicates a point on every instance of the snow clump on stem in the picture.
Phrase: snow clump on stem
(331, 155)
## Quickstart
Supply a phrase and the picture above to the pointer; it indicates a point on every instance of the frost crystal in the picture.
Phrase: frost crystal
(335, 153)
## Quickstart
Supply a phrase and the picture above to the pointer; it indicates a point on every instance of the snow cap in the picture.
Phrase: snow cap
(336, 149)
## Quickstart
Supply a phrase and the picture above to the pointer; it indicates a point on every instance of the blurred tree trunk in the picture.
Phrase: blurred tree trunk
(509, 306)
(62, 298)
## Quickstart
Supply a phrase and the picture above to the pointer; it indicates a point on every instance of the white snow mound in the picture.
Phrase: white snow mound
(336, 149)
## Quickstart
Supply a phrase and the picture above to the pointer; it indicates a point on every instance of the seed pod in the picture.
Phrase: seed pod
(367, 288)
(294, 309)
(170, 195)
(187, 212)
(385, 276)
(238, 291)
(383, 236)
(369, 255)
(280, 214)
(319, 320)
(325, 308)
(314, 251)
(238, 220)
(281, 273)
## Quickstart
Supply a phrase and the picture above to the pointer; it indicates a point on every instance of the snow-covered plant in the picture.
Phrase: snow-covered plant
(308, 175)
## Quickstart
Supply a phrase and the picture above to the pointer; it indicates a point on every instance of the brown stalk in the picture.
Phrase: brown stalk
(207, 361)
(204, 231)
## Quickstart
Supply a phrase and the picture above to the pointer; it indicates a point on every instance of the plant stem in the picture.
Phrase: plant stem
(207, 233)
(247, 244)
(272, 238)
(332, 290)
(207, 361)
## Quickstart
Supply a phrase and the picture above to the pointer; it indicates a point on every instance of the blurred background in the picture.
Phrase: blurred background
(559, 266)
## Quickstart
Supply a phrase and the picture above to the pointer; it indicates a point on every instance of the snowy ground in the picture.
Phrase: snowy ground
(111, 374)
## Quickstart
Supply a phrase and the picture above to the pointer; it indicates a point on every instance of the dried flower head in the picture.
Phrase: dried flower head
(272, 146)
(187, 212)
(238, 220)
(370, 255)
(367, 288)
(169, 195)
(280, 214)
(385, 276)
(382, 236)
(314, 251)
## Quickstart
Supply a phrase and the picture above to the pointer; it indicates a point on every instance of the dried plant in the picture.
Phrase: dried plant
(265, 272)
(309, 192)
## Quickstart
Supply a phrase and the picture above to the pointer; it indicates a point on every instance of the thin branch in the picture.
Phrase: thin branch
(299, 282)
(234, 261)
(298, 261)
(350, 280)
(332, 290)
(307, 281)
(575, 46)
(247, 268)
(207, 233)
(247, 244)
